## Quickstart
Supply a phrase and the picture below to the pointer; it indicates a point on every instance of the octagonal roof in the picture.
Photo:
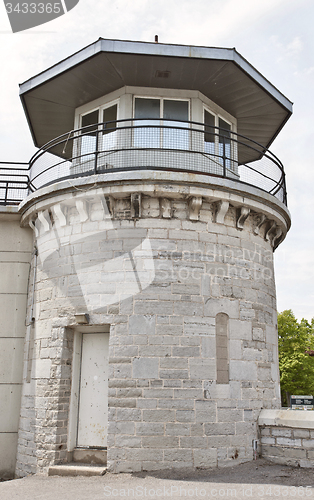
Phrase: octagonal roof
(221, 74)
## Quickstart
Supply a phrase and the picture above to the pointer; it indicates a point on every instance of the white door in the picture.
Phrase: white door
(93, 398)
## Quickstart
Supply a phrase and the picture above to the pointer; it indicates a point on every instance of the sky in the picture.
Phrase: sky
(275, 36)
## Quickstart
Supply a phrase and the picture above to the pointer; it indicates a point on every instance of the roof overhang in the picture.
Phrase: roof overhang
(223, 75)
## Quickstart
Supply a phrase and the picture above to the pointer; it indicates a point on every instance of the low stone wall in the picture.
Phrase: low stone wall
(287, 437)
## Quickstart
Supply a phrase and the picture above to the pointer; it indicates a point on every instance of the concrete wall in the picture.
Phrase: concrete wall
(15, 255)
(158, 263)
(287, 437)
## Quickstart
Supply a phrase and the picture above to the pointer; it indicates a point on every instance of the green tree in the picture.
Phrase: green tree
(295, 364)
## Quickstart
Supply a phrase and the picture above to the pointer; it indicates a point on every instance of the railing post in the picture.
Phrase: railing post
(6, 192)
(224, 156)
(96, 152)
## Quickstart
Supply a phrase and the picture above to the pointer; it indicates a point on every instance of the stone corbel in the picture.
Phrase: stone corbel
(165, 207)
(270, 233)
(195, 204)
(59, 211)
(221, 210)
(81, 207)
(136, 205)
(33, 227)
(44, 219)
(278, 237)
(108, 206)
(261, 218)
(242, 216)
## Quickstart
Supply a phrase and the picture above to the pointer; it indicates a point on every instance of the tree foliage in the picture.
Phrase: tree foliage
(295, 364)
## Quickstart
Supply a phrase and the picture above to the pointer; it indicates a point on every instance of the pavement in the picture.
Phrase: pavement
(255, 480)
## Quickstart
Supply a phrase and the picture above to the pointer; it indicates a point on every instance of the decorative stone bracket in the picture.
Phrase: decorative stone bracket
(242, 216)
(263, 226)
(195, 204)
(221, 210)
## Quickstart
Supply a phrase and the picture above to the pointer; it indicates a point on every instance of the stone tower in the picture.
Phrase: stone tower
(156, 206)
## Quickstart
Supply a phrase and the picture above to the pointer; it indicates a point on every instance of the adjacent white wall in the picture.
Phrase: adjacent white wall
(15, 254)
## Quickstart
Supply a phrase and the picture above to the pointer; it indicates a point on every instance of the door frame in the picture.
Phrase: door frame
(75, 380)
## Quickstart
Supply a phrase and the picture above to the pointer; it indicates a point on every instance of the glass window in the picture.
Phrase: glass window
(224, 143)
(151, 111)
(109, 137)
(147, 132)
(176, 110)
(88, 142)
(110, 118)
(209, 136)
(147, 108)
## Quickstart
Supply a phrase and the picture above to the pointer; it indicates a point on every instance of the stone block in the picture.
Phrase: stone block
(41, 368)
(142, 324)
(185, 416)
(193, 442)
(145, 368)
(240, 330)
(129, 414)
(174, 363)
(159, 415)
(177, 404)
(283, 432)
(205, 458)
(160, 442)
(228, 306)
(183, 308)
(219, 428)
(307, 443)
(175, 455)
(144, 454)
(242, 370)
(199, 326)
(178, 429)
(204, 369)
(208, 347)
(146, 403)
(128, 442)
(229, 415)
(186, 351)
(150, 429)
(127, 428)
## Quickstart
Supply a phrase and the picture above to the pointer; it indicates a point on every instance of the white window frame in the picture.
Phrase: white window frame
(161, 112)
(233, 144)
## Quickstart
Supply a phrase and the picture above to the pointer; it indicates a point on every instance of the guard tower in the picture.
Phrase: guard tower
(156, 206)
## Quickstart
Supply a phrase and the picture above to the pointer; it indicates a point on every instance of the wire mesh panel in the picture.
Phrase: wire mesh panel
(14, 183)
(160, 144)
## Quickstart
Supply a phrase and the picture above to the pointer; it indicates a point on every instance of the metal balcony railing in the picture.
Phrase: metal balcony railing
(156, 145)
(14, 182)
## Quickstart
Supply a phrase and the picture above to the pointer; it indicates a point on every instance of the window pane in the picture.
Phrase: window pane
(174, 138)
(148, 133)
(176, 110)
(147, 108)
(209, 120)
(224, 135)
(110, 115)
(90, 119)
(109, 138)
(88, 141)
(224, 143)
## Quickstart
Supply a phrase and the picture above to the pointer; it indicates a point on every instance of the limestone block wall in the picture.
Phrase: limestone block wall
(15, 255)
(158, 263)
(287, 437)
